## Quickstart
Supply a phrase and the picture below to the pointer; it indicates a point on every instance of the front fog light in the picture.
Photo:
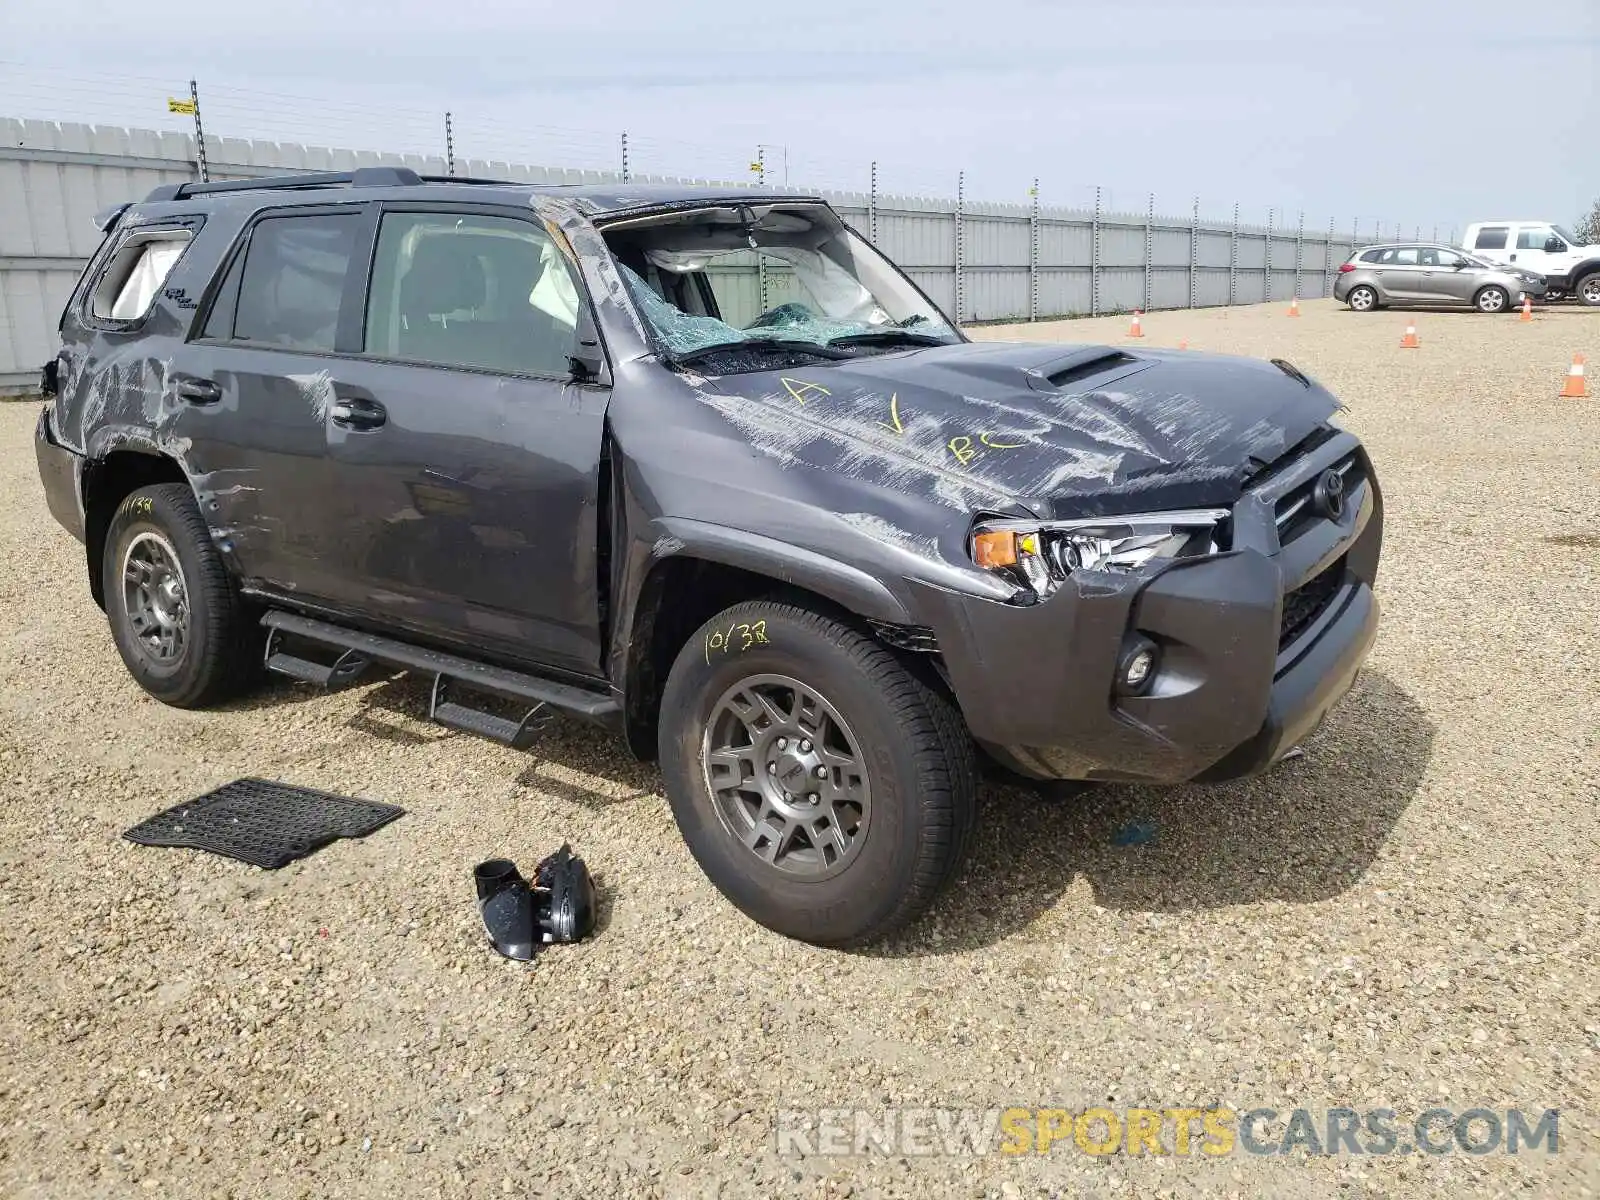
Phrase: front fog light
(1137, 666)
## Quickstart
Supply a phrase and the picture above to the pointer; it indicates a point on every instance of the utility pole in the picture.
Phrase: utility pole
(449, 146)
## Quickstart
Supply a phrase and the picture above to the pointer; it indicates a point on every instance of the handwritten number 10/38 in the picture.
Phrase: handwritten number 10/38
(739, 636)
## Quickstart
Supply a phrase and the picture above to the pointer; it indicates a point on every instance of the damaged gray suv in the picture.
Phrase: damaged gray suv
(706, 467)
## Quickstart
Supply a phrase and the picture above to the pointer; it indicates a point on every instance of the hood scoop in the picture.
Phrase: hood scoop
(1041, 368)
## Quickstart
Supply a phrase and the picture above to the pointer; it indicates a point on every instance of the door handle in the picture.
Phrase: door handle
(358, 413)
(199, 391)
(1513, 258)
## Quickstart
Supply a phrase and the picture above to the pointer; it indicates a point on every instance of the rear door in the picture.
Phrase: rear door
(1400, 273)
(1494, 242)
(467, 459)
(260, 379)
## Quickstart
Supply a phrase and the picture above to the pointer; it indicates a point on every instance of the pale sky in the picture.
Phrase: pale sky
(1422, 112)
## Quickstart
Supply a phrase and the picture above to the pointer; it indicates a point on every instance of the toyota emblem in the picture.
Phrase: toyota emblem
(1328, 496)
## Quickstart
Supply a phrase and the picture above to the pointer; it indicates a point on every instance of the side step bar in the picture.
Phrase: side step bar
(359, 651)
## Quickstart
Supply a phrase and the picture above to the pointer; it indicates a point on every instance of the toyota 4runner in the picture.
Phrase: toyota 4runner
(705, 466)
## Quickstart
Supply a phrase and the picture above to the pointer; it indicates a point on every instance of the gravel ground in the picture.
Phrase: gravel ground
(1404, 917)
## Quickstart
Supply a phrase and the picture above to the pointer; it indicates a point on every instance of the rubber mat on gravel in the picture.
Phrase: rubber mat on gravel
(263, 823)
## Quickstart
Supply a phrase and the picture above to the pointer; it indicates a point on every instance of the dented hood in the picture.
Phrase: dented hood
(1063, 430)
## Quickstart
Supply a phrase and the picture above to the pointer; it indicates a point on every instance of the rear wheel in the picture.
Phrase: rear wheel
(1362, 298)
(822, 787)
(183, 632)
(1492, 299)
(1589, 290)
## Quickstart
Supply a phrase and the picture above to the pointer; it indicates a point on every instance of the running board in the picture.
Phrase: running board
(360, 650)
(345, 671)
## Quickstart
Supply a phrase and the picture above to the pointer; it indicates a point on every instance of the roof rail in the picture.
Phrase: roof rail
(481, 182)
(362, 177)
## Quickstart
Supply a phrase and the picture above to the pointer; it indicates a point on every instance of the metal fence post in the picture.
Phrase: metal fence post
(449, 145)
(627, 173)
(199, 134)
(1194, 254)
(1271, 216)
(1327, 262)
(760, 166)
(1233, 258)
(1094, 258)
(1149, 246)
(1033, 252)
(961, 204)
(1299, 252)
(872, 207)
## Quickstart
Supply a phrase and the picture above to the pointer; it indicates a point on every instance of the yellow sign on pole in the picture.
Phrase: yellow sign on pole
(758, 167)
(186, 107)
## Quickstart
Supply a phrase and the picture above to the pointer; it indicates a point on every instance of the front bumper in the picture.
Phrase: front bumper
(1241, 676)
(61, 473)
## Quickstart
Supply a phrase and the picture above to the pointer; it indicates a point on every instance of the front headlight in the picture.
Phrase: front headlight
(1042, 554)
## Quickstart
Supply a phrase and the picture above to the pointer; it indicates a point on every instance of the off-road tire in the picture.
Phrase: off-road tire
(221, 654)
(917, 753)
(1587, 289)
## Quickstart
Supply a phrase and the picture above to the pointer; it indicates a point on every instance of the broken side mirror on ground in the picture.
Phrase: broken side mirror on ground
(521, 918)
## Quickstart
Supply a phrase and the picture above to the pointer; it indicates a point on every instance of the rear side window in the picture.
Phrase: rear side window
(1406, 256)
(1492, 237)
(293, 281)
(1372, 256)
(132, 279)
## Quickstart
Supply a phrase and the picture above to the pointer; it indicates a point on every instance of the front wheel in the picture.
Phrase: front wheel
(1362, 299)
(822, 787)
(1589, 290)
(1492, 300)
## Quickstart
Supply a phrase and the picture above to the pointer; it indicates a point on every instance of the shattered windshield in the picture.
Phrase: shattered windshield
(787, 278)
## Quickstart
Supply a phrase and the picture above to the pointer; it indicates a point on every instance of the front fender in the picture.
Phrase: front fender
(846, 585)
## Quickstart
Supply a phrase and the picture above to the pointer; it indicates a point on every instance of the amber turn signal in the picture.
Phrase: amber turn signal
(995, 548)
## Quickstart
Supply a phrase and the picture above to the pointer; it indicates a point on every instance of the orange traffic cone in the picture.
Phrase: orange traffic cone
(1183, 343)
(1294, 306)
(1527, 309)
(1575, 388)
(1136, 330)
(1410, 342)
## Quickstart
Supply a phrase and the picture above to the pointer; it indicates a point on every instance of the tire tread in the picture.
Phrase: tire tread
(229, 662)
(946, 779)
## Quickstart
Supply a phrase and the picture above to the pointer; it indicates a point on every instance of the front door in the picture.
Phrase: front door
(468, 458)
(1528, 249)
(1446, 275)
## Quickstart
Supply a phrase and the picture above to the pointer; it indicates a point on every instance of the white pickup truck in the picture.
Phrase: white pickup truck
(1570, 267)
